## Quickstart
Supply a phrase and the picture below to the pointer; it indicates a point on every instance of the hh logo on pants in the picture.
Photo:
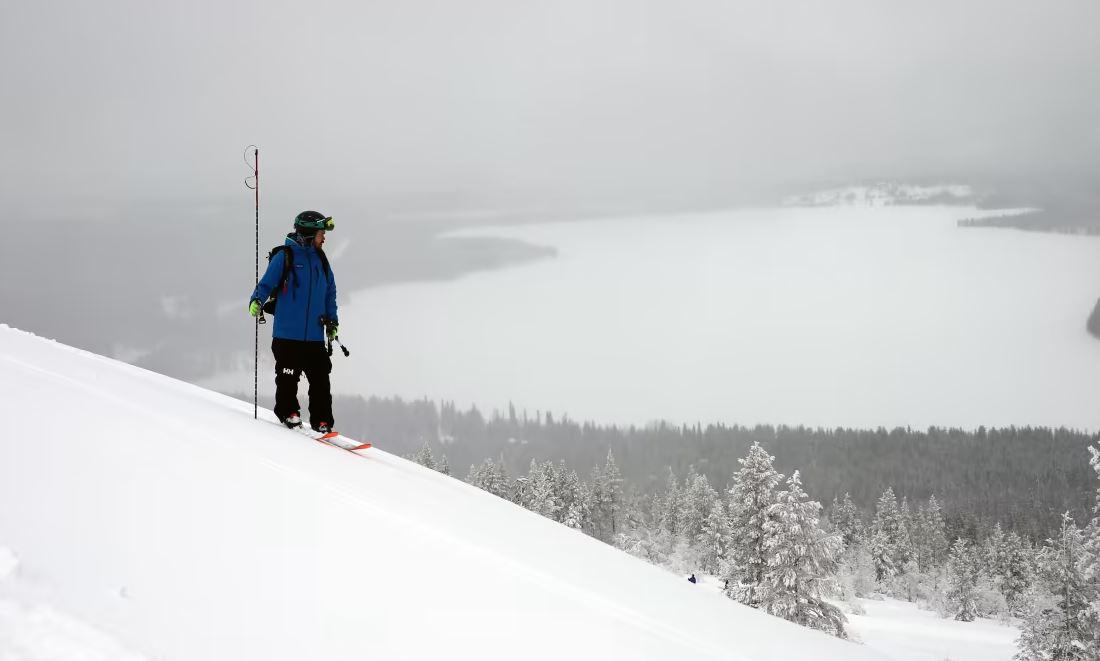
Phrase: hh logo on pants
(287, 370)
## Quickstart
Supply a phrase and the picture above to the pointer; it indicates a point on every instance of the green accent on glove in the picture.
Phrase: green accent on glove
(254, 308)
(332, 331)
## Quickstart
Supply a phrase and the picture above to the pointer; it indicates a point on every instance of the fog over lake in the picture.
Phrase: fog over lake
(817, 316)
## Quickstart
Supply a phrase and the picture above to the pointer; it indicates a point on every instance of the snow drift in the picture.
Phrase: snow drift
(167, 520)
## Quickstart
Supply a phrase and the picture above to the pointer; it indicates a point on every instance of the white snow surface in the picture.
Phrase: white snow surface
(907, 633)
(148, 514)
(40, 633)
(8, 563)
(904, 632)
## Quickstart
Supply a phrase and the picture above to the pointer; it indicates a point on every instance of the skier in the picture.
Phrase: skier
(692, 579)
(299, 279)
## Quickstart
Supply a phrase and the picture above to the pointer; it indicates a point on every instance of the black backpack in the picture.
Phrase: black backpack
(288, 265)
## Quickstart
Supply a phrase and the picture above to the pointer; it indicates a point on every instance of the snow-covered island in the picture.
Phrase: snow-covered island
(884, 194)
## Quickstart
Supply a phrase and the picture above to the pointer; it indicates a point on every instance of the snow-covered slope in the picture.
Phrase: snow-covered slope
(150, 515)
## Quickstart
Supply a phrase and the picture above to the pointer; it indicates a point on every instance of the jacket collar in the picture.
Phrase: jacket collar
(295, 239)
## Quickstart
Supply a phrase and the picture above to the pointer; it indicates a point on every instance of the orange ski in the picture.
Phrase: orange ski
(333, 439)
(344, 443)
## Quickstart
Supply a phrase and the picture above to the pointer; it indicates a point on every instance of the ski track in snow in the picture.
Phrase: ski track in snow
(41, 633)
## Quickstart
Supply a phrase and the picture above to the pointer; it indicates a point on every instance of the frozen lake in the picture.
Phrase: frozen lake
(839, 316)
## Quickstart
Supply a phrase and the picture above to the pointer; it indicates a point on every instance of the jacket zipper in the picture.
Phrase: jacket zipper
(305, 330)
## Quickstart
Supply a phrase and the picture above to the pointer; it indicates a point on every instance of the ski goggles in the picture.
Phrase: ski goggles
(321, 224)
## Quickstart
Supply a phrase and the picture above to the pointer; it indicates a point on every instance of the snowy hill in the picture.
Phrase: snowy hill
(142, 517)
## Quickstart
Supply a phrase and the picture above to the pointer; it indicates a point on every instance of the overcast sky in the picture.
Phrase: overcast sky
(499, 100)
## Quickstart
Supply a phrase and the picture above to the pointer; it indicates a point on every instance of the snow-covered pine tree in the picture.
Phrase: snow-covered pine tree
(713, 538)
(919, 539)
(886, 536)
(541, 495)
(577, 515)
(662, 517)
(688, 519)
(965, 570)
(1007, 564)
(606, 500)
(600, 527)
(519, 493)
(913, 583)
(993, 549)
(1063, 631)
(937, 530)
(642, 543)
(667, 509)
(857, 572)
(612, 487)
(1017, 572)
(1068, 629)
(527, 493)
(696, 505)
(993, 554)
(1091, 566)
(633, 510)
(929, 536)
(568, 488)
(905, 538)
(490, 476)
(845, 517)
(801, 562)
(424, 457)
(752, 493)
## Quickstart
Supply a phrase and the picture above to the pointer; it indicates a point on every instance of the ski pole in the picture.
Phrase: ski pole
(347, 353)
(326, 324)
(255, 165)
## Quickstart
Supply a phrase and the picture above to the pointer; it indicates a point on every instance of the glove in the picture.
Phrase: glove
(254, 308)
(332, 330)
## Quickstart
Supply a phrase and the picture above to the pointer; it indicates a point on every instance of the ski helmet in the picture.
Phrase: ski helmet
(308, 222)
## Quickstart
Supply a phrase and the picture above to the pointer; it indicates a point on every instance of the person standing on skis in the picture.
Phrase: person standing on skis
(300, 280)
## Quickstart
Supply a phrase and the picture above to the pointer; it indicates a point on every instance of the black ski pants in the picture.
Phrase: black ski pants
(292, 358)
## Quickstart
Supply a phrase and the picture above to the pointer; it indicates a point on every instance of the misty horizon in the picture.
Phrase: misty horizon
(494, 105)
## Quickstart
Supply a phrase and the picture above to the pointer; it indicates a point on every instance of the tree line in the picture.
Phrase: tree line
(1022, 477)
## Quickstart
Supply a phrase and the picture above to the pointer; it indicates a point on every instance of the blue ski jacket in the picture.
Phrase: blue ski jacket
(307, 295)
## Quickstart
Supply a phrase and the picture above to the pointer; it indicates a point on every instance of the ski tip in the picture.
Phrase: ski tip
(364, 446)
